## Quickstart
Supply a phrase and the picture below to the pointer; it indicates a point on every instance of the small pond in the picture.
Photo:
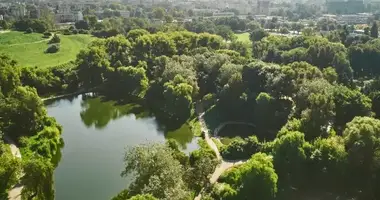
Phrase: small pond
(96, 133)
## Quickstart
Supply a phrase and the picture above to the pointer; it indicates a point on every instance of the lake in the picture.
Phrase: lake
(96, 133)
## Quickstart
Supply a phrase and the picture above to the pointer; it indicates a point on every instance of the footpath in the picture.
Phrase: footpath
(225, 164)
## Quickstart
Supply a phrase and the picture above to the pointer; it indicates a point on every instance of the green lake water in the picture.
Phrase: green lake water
(96, 133)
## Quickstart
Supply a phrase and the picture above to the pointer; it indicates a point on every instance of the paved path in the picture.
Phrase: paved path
(15, 192)
(225, 164)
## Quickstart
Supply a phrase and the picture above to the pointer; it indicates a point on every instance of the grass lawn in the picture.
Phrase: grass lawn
(14, 37)
(33, 54)
(244, 37)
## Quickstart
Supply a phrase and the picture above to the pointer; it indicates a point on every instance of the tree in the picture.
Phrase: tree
(329, 164)
(349, 104)
(375, 97)
(10, 170)
(225, 32)
(289, 156)
(255, 179)
(159, 13)
(38, 179)
(23, 112)
(257, 35)
(55, 39)
(91, 20)
(92, 66)
(9, 75)
(143, 197)
(82, 25)
(177, 100)
(156, 172)
(362, 140)
(374, 30)
(131, 81)
(203, 163)
(168, 19)
(308, 32)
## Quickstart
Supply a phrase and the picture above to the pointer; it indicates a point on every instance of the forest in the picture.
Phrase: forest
(314, 100)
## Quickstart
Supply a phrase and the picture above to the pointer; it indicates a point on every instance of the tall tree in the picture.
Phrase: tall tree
(156, 172)
(374, 30)
(38, 179)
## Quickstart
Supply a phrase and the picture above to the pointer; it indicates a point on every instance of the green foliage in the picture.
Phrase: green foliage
(55, 39)
(289, 156)
(10, 170)
(203, 163)
(258, 34)
(131, 81)
(177, 100)
(374, 30)
(255, 179)
(361, 138)
(143, 197)
(38, 179)
(47, 143)
(161, 178)
(53, 48)
(349, 104)
(93, 66)
(241, 148)
(36, 25)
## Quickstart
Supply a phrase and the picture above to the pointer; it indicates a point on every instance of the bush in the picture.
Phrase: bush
(75, 31)
(241, 148)
(55, 39)
(47, 35)
(52, 48)
(66, 32)
(82, 31)
(29, 30)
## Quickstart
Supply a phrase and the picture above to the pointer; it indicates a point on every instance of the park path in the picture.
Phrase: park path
(39, 41)
(225, 164)
(15, 192)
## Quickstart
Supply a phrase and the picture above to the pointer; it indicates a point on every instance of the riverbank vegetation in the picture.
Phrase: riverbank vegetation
(25, 121)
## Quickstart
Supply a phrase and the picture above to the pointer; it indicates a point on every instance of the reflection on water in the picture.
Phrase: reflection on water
(96, 133)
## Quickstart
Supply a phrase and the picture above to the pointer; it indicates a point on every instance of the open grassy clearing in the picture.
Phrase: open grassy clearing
(15, 37)
(33, 54)
(244, 37)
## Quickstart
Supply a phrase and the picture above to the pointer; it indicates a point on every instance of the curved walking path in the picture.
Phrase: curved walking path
(15, 192)
(225, 164)
(39, 41)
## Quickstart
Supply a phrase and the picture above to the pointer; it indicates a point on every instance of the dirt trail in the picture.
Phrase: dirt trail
(39, 41)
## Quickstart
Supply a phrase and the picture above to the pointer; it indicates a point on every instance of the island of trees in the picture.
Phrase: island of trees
(314, 103)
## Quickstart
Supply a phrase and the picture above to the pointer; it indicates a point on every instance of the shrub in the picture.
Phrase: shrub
(75, 31)
(82, 31)
(66, 32)
(52, 48)
(47, 34)
(55, 39)
(29, 30)
(241, 148)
